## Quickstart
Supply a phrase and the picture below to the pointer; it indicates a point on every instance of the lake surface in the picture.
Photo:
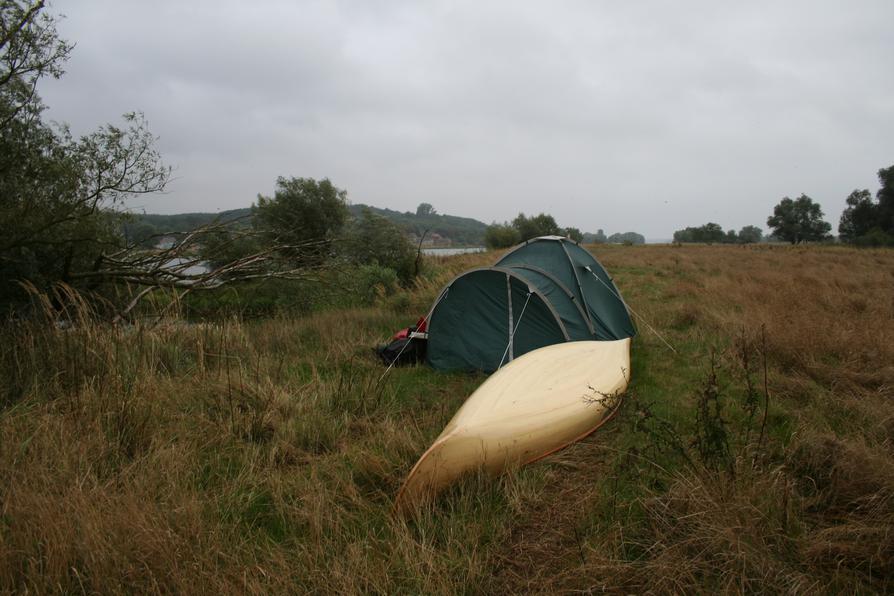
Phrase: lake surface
(446, 252)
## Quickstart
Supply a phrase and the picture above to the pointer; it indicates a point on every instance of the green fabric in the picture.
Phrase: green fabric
(549, 256)
(603, 298)
(535, 326)
(469, 327)
(564, 305)
(567, 261)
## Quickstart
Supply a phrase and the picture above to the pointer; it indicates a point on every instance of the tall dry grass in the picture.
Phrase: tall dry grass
(810, 511)
(263, 457)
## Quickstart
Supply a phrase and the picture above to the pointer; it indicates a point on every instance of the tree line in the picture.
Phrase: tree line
(525, 227)
(865, 221)
(148, 229)
(712, 233)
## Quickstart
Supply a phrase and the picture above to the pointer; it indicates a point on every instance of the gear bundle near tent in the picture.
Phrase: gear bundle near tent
(546, 291)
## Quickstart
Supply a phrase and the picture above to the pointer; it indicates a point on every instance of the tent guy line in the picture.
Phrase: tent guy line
(425, 322)
(633, 312)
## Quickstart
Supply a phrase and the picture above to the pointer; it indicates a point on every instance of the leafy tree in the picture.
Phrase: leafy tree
(574, 234)
(711, 232)
(708, 233)
(627, 238)
(885, 198)
(425, 209)
(371, 239)
(304, 214)
(501, 235)
(62, 197)
(867, 222)
(799, 220)
(597, 238)
(538, 225)
(859, 217)
(30, 49)
(750, 235)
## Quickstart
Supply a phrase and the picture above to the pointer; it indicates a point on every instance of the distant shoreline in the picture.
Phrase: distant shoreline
(452, 250)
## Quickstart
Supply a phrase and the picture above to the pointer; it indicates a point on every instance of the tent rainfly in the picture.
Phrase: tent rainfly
(546, 291)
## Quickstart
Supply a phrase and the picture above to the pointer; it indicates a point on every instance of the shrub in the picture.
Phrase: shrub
(501, 236)
(374, 281)
(373, 240)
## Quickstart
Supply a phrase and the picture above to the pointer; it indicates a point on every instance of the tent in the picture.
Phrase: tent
(545, 291)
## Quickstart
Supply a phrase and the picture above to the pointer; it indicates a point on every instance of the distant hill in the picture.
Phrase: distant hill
(149, 228)
(442, 229)
(461, 231)
(185, 222)
(458, 231)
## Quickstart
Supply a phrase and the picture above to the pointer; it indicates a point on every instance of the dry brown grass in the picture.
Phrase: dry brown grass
(816, 511)
(263, 457)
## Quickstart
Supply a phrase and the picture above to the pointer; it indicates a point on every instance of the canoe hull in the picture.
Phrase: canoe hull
(533, 406)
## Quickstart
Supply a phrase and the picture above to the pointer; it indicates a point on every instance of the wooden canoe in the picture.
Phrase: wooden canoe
(535, 405)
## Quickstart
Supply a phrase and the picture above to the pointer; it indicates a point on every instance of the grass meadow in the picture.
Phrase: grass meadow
(263, 456)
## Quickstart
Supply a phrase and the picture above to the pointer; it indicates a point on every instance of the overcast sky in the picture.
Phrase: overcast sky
(625, 116)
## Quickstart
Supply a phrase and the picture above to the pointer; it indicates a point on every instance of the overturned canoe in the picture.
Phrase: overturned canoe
(533, 406)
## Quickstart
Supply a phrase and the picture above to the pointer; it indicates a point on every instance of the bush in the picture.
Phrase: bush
(501, 236)
(536, 225)
(373, 240)
(375, 281)
(875, 237)
(301, 211)
(263, 298)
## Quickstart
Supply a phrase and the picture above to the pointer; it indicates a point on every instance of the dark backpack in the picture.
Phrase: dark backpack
(403, 352)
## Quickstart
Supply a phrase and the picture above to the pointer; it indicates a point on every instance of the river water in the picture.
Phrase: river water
(446, 252)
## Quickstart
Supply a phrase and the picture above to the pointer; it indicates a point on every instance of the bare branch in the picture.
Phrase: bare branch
(185, 267)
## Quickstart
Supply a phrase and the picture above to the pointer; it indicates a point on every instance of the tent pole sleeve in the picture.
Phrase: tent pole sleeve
(509, 302)
(579, 287)
(511, 337)
(562, 287)
(537, 293)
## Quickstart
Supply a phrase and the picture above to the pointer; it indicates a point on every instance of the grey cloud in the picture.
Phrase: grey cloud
(635, 116)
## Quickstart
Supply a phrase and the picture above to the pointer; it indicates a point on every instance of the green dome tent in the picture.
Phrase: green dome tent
(548, 290)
